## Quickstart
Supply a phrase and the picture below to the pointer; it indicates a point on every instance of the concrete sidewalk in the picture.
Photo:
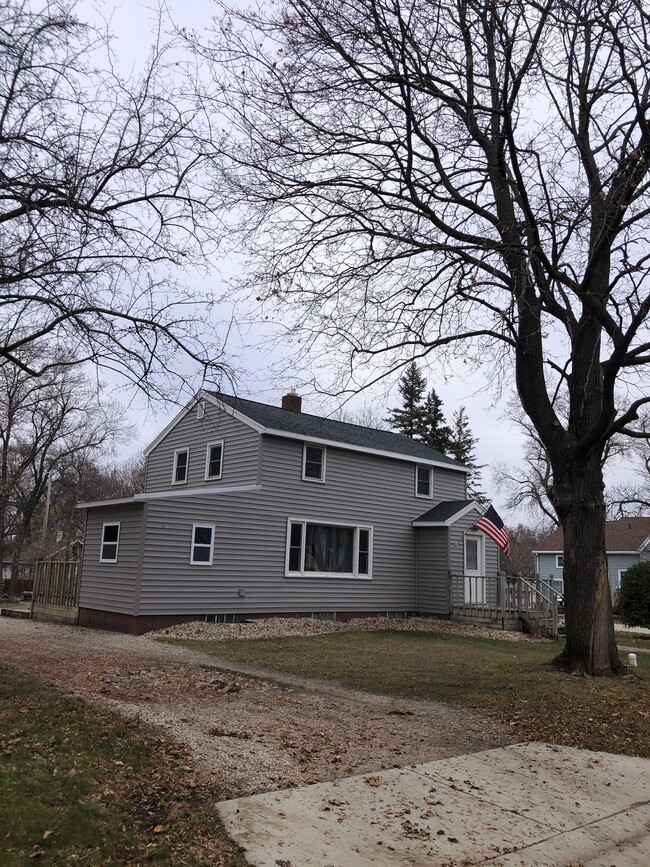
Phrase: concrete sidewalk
(527, 804)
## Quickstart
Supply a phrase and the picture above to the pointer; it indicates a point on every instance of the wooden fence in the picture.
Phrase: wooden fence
(56, 591)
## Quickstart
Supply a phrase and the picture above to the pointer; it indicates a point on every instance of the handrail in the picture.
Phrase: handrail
(535, 589)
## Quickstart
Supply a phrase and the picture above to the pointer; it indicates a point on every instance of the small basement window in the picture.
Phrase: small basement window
(202, 544)
(313, 463)
(214, 460)
(110, 543)
(181, 464)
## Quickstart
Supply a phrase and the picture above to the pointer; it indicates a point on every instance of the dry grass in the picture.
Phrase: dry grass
(514, 682)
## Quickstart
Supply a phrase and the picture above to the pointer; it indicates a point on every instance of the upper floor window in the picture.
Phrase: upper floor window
(202, 544)
(329, 549)
(423, 481)
(559, 561)
(214, 460)
(313, 463)
(110, 543)
(181, 463)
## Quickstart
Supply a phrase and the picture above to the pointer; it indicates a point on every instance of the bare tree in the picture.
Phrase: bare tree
(462, 177)
(102, 201)
(46, 423)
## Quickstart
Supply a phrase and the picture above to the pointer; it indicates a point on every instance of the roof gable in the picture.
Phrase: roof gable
(446, 513)
(276, 421)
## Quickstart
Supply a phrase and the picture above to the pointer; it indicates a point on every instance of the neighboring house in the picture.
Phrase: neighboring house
(627, 542)
(251, 510)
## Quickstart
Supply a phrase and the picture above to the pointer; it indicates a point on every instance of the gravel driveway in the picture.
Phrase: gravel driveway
(256, 730)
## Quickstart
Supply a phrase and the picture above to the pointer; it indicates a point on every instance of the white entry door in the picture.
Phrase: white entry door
(474, 569)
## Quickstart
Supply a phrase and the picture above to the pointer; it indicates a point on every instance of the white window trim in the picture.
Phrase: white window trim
(355, 554)
(187, 466)
(480, 570)
(305, 478)
(103, 559)
(559, 565)
(619, 573)
(428, 496)
(207, 461)
(194, 562)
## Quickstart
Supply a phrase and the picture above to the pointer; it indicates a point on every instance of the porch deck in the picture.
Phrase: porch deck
(505, 603)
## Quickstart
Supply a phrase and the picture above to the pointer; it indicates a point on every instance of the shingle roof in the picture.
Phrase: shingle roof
(303, 424)
(443, 511)
(627, 534)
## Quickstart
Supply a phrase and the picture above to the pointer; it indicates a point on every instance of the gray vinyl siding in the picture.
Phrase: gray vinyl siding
(547, 569)
(457, 556)
(240, 453)
(112, 586)
(432, 554)
(251, 533)
(448, 485)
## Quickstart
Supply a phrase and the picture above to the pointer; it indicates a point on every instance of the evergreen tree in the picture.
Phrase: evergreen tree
(434, 430)
(461, 447)
(408, 419)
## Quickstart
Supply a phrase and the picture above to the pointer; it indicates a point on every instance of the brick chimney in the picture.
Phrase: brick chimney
(292, 402)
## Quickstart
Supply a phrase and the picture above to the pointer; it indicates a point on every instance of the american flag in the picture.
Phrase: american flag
(492, 525)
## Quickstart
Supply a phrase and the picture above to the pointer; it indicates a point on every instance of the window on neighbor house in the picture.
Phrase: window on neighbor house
(213, 460)
(328, 549)
(181, 463)
(559, 561)
(313, 463)
(424, 481)
(110, 543)
(202, 544)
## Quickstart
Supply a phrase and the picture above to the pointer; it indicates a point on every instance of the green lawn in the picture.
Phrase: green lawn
(513, 681)
(80, 785)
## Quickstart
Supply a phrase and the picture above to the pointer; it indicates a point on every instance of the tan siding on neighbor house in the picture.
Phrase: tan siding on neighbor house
(113, 586)
(240, 454)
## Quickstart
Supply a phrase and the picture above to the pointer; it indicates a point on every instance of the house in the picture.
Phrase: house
(627, 541)
(251, 510)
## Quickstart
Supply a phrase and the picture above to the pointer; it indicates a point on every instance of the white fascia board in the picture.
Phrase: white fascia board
(205, 491)
(643, 545)
(623, 552)
(118, 501)
(230, 410)
(398, 456)
(451, 520)
(202, 395)
(547, 552)
(172, 424)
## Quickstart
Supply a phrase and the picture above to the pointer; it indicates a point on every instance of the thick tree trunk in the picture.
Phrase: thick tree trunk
(590, 643)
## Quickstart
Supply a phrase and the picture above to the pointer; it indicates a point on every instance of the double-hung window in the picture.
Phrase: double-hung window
(214, 461)
(110, 543)
(202, 544)
(181, 465)
(328, 550)
(313, 463)
(423, 481)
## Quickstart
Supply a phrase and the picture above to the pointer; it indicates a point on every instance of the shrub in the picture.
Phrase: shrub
(634, 595)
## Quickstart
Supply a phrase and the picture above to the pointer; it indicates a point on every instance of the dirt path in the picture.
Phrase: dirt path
(256, 730)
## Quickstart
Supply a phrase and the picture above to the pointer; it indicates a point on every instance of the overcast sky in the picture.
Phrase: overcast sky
(133, 25)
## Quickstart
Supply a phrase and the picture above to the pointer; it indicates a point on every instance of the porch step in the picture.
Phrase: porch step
(20, 613)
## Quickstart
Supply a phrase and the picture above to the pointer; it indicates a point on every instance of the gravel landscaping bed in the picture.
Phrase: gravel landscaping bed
(280, 627)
